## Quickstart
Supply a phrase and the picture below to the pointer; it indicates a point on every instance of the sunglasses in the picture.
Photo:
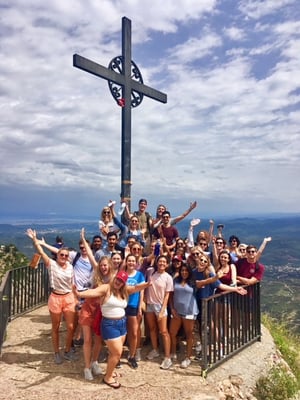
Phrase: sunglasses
(81, 247)
(106, 212)
(203, 244)
(136, 249)
(219, 242)
(64, 255)
(204, 260)
(251, 251)
(242, 249)
(196, 254)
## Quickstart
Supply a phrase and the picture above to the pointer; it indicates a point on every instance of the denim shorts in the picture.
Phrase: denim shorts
(156, 309)
(113, 328)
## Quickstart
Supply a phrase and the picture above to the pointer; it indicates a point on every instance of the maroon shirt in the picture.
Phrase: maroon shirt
(170, 233)
(249, 270)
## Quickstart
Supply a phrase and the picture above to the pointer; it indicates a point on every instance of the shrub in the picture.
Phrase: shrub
(283, 380)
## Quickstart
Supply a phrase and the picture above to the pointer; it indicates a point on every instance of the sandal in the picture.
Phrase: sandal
(114, 384)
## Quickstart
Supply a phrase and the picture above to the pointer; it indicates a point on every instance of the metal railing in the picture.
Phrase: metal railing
(230, 322)
(22, 289)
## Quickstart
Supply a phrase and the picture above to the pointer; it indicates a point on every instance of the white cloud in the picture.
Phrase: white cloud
(259, 9)
(230, 124)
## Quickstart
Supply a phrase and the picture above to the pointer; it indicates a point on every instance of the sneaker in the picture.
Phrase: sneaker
(57, 358)
(119, 364)
(70, 356)
(198, 347)
(185, 363)
(96, 369)
(153, 354)
(132, 362)
(78, 342)
(173, 357)
(88, 374)
(166, 364)
(138, 355)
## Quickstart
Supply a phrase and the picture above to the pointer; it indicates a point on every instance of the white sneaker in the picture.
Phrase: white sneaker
(88, 374)
(185, 363)
(173, 357)
(166, 364)
(138, 355)
(96, 369)
(153, 354)
(198, 347)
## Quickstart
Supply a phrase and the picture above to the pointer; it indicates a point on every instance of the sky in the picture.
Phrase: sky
(228, 136)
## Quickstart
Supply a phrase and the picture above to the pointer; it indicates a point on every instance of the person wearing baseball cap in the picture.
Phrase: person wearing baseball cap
(114, 299)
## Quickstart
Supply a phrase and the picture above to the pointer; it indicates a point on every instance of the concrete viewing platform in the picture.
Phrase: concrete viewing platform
(27, 370)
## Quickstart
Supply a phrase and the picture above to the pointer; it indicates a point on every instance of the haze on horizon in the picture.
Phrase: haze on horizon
(228, 136)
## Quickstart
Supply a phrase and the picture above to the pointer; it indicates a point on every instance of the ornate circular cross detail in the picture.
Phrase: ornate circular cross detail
(116, 65)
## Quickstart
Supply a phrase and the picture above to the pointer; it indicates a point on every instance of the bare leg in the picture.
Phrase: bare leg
(152, 324)
(69, 319)
(188, 325)
(174, 328)
(87, 345)
(132, 328)
(162, 325)
(97, 347)
(115, 348)
(55, 319)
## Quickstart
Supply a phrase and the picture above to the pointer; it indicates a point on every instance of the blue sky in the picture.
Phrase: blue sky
(228, 136)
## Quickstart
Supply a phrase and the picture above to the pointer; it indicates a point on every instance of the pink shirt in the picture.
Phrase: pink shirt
(161, 284)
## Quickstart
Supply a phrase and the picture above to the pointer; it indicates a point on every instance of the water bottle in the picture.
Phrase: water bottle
(157, 248)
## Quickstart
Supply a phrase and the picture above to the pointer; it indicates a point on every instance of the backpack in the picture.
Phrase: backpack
(75, 259)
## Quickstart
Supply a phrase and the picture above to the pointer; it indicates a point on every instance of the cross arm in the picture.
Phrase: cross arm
(97, 69)
(148, 91)
(110, 75)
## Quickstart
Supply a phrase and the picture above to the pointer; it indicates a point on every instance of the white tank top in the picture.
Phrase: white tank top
(114, 307)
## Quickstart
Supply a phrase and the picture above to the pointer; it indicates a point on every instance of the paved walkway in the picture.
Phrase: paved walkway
(27, 370)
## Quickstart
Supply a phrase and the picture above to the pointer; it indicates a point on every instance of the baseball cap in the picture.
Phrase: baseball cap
(123, 276)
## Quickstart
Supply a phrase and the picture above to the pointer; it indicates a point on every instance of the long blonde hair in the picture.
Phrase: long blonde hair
(99, 278)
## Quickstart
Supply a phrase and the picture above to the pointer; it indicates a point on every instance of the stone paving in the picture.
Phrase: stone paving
(27, 370)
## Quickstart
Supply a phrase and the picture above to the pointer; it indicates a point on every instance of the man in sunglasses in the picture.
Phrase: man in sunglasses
(249, 271)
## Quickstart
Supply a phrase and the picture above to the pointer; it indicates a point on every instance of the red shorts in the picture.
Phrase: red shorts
(60, 303)
(88, 311)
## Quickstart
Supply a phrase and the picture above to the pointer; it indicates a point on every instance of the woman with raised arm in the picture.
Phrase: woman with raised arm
(113, 299)
(61, 301)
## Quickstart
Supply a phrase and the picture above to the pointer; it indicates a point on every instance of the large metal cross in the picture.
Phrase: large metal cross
(127, 87)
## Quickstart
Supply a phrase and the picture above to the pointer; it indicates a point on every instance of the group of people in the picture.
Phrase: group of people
(138, 266)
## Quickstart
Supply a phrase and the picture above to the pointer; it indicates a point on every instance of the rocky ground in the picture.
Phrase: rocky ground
(27, 371)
